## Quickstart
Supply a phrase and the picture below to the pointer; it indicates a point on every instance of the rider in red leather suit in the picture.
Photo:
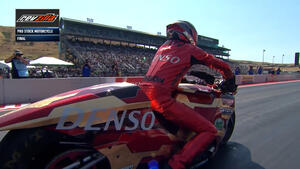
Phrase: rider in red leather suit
(170, 64)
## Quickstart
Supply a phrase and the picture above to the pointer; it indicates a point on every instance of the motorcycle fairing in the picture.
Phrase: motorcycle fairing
(124, 149)
(117, 96)
(48, 111)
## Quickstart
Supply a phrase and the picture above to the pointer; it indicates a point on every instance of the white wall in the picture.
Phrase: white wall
(14, 91)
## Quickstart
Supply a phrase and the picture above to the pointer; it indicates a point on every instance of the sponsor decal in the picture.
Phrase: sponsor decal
(247, 79)
(172, 59)
(219, 123)
(113, 117)
(226, 110)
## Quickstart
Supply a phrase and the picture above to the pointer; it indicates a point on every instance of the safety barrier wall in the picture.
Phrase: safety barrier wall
(14, 91)
(249, 79)
(31, 90)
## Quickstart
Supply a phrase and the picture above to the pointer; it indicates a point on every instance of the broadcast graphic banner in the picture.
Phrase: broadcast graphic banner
(37, 25)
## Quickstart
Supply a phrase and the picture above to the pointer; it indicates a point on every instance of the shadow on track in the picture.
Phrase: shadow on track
(232, 156)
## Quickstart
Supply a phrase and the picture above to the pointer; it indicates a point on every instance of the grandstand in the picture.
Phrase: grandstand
(114, 51)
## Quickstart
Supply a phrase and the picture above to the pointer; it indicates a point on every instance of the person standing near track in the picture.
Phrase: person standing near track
(237, 70)
(19, 65)
(86, 69)
(260, 70)
(251, 72)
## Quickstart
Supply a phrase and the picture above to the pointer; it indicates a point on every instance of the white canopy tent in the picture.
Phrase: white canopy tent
(49, 61)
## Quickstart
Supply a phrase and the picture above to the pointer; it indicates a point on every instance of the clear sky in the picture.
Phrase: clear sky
(245, 27)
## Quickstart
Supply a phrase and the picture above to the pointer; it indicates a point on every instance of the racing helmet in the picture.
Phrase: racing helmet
(182, 30)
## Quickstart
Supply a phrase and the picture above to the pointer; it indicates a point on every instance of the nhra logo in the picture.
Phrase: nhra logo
(50, 17)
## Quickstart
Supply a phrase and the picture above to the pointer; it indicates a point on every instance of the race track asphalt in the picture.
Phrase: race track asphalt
(267, 131)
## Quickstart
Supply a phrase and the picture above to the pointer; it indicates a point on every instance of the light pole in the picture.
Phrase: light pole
(282, 58)
(263, 56)
(273, 60)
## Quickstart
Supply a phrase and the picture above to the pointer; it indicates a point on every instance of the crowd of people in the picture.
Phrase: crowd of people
(256, 70)
(104, 60)
(114, 60)
(45, 72)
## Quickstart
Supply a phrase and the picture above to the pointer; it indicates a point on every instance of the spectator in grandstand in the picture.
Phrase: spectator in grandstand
(115, 69)
(237, 71)
(46, 73)
(259, 71)
(278, 71)
(251, 72)
(86, 69)
(19, 65)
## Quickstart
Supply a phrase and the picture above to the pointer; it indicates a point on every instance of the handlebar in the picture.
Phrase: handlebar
(210, 80)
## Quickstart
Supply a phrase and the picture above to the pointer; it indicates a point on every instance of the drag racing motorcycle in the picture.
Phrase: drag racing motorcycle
(109, 126)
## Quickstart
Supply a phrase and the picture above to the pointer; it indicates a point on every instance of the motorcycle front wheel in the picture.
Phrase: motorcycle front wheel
(229, 129)
(41, 149)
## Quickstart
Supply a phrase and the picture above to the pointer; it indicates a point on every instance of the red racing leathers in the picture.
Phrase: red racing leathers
(170, 64)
